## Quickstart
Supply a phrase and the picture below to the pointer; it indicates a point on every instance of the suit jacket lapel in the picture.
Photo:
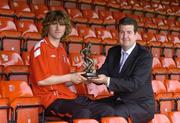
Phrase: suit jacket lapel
(117, 60)
(130, 59)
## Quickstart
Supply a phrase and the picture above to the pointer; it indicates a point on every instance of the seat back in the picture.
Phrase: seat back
(26, 107)
(14, 89)
(113, 120)
(85, 121)
(10, 58)
(160, 118)
(174, 117)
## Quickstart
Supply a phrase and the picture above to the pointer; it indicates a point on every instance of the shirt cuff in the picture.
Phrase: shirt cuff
(108, 82)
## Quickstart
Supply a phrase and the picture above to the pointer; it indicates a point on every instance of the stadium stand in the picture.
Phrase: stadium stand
(94, 21)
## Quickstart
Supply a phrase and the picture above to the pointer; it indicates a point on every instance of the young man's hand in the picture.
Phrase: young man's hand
(77, 77)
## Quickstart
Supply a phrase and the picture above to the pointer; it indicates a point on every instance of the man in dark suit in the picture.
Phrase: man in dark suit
(127, 72)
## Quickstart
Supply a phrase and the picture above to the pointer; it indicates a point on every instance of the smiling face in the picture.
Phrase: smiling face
(56, 31)
(127, 36)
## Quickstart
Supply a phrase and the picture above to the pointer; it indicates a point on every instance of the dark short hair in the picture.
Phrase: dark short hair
(56, 17)
(129, 21)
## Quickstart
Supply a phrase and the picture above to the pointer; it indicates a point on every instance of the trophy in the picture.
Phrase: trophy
(88, 62)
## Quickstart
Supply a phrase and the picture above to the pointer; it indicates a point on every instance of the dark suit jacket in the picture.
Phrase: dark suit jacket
(133, 84)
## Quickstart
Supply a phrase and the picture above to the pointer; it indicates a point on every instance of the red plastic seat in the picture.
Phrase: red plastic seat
(74, 41)
(5, 9)
(76, 61)
(92, 16)
(160, 118)
(13, 64)
(153, 44)
(21, 99)
(177, 60)
(76, 15)
(167, 46)
(158, 72)
(89, 35)
(160, 23)
(113, 120)
(22, 10)
(40, 10)
(98, 60)
(10, 37)
(26, 57)
(106, 16)
(29, 32)
(106, 37)
(174, 117)
(118, 15)
(85, 121)
(55, 7)
(4, 109)
(164, 100)
(169, 63)
(113, 4)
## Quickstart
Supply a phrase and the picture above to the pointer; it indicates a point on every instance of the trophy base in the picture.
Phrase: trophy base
(90, 75)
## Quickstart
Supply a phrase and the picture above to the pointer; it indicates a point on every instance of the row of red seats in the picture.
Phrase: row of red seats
(14, 66)
(18, 103)
(166, 95)
(26, 31)
(156, 7)
(165, 68)
(17, 96)
(22, 10)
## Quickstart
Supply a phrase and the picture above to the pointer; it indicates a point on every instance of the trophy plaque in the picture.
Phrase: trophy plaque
(88, 62)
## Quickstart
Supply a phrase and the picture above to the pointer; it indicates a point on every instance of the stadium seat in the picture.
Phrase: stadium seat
(171, 24)
(164, 100)
(140, 39)
(76, 62)
(153, 44)
(92, 90)
(106, 16)
(74, 41)
(5, 9)
(92, 16)
(85, 121)
(10, 37)
(113, 120)
(158, 72)
(29, 33)
(174, 117)
(98, 60)
(22, 10)
(26, 57)
(160, 118)
(113, 4)
(89, 36)
(56, 7)
(56, 122)
(25, 106)
(14, 67)
(106, 37)
(4, 110)
(76, 15)
(177, 60)
(40, 10)
(160, 23)
(118, 15)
